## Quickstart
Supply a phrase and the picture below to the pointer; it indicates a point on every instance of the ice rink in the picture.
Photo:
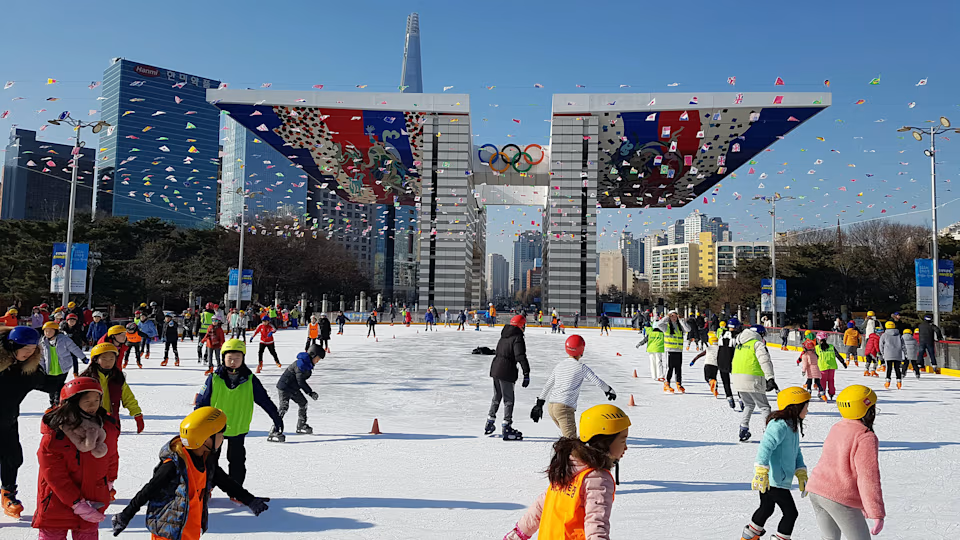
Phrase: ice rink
(433, 474)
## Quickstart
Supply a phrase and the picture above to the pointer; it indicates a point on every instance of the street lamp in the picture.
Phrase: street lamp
(77, 125)
(773, 243)
(931, 153)
(243, 225)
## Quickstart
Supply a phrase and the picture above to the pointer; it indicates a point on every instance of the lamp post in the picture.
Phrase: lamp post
(77, 125)
(773, 244)
(243, 226)
(931, 153)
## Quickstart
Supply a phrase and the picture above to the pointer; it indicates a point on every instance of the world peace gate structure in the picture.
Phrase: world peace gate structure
(605, 151)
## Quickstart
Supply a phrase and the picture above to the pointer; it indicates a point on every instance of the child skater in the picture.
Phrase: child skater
(808, 366)
(325, 331)
(563, 388)
(851, 341)
(845, 487)
(293, 380)
(827, 358)
(372, 324)
(910, 353)
(104, 369)
(313, 332)
(710, 365)
(58, 352)
(169, 333)
(893, 351)
(77, 453)
(778, 461)
(178, 495)
(579, 501)
(234, 389)
(653, 339)
(214, 340)
(870, 352)
(265, 330)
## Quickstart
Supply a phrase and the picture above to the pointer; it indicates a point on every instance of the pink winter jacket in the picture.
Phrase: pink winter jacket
(597, 491)
(848, 471)
(808, 364)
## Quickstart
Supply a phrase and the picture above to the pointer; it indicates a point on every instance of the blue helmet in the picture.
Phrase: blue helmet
(878, 329)
(21, 336)
(850, 324)
(733, 322)
(928, 317)
(760, 329)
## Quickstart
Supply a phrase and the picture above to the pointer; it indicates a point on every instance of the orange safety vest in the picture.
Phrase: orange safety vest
(196, 485)
(134, 337)
(563, 511)
(314, 330)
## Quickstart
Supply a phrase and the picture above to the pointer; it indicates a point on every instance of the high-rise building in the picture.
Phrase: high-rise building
(349, 225)
(719, 228)
(693, 225)
(652, 241)
(674, 268)
(411, 80)
(707, 259)
(277, 186)
(396, 230)
(36, 176)
(160, 155)
(612, 271)
(729, 254)
(498, 277)
(632, 249)
(527, 247)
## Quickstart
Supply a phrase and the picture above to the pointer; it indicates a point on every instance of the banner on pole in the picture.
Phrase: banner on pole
(926, 288)
(78, 267)
(766, 295)
(246, 285)
(781, 296)
(945, 285)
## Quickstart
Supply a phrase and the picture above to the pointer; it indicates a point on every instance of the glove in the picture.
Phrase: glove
(258, 505)
(877, 526)
(314, 395)
(692, 362)
(119, 524)
(86, 360)
(526, 381)
(761, 479)
(611, 395)
(802, 480)
(772, 385)
(87, 512)
(139, 419)
(537, 412)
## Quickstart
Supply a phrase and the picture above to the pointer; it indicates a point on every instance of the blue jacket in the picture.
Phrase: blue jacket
(294, 378)
(260, 396)
(95, 331)
(428, 317)
(149, 328)
(780, 450)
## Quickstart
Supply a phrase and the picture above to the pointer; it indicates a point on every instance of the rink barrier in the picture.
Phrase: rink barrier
(948, 352)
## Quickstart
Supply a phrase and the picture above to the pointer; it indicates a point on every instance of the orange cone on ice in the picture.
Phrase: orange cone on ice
(618, 354)
(375, 430)
(634, 374)
(632, 403)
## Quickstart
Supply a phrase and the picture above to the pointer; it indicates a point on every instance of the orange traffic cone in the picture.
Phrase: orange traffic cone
(632, 403)
(618, 354)
(634, 374)
(375, 430)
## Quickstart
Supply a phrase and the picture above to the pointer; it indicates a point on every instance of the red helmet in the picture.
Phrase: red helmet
(80, 384)
(210, 306)
(519, 321)
(72, 316)
(575, 345)
(44, 305)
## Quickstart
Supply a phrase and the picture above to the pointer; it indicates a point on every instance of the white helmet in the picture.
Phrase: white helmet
(98, 314)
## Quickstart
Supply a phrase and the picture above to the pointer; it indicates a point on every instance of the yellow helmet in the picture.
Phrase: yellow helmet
(603, 419)
(871, 314)
(116, 329)
(51, 324)
(791, 396)
(71, 305)
(143, 304)
(723, 324)
(234, 345)
(712, 337)
(101, 348)
(200, 425)
(889, 324)
(13, 311)
(855, 400)
(907, 331)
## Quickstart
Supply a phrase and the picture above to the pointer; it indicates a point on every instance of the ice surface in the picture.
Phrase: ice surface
(434, 475)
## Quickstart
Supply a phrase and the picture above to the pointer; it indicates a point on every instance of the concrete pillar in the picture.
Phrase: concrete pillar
(325, 304)
(343, 304)
(809, 320)
(363, 301)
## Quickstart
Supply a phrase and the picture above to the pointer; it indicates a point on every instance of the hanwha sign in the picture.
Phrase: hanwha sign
(147, 71)
(510, 156)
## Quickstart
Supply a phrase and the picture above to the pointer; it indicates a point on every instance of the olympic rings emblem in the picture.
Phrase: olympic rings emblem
(509, 159)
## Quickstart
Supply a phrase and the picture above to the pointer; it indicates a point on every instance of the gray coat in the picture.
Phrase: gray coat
(65, 348)
(892, 345)
(909, 347)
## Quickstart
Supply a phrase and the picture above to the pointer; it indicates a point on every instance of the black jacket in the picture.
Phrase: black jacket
(930, 333)
(604, 320)
(17, 379)
(325, 328)
(511, 349)
(76, 333)
(169, 331)
(295, 377)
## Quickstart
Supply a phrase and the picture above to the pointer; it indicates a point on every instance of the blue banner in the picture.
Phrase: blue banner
(945, 285)
(766, 295)
(923, 270)
(246, 287)
(78, 267)
(781, 296)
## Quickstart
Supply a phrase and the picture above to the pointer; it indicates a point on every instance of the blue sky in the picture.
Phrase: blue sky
(602, 45)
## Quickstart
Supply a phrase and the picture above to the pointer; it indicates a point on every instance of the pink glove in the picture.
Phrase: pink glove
(87, 512)
(877, 526)
(516, 533)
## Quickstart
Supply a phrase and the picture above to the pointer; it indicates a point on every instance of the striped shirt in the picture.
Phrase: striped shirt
(564, 383)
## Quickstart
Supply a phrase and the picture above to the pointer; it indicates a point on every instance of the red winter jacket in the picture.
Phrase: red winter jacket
(70, 470)
(214, 337)
(265, 331)
(873, 345)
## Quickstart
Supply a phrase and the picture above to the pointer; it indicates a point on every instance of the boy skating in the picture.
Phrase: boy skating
(169, 335)
(511, 350)
(290, 385)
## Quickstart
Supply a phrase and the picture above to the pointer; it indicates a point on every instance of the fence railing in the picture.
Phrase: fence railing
(948, 352)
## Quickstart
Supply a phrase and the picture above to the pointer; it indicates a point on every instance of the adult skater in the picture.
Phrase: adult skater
(325, 331)
(20, 373)
(752, 375)
(341, 320)
(511, 350)
(930, 334)
(673, 328)
(168, 333)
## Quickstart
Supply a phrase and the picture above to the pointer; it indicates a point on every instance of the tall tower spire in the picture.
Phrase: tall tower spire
(411, 81)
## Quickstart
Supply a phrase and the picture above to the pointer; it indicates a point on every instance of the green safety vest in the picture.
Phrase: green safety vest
(745, 360)
(54, 367)
(273, 313)
(674, 341)
(655, 342)
(237, 404)
(206, 319)
(826, 359)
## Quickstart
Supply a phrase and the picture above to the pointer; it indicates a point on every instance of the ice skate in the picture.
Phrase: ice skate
(164, 363)
(660, 379)
(304, 429)
(731, 403)
(113, 495)
(125, 364)
(11, 505)
(899, 385)
(176, 362)
(822, 397)
(666, 387)
(681, 389)
(510, 434)
(936, 370)
(327, 350)
(751, 531)
(866, 373)
(279, 365)
(874, 374)
(139, 365)
(741, 405)
(147, 355)
(259, 367)
(744, 434)
(713, 388)
(208, 371)
(490, 427)
(886, 384)
(276, 436)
